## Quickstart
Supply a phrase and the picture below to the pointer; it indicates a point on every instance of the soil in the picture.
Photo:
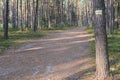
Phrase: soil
(58, 56)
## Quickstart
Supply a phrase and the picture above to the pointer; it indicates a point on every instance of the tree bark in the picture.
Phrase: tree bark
(13, 13)
(21, 20)
(35, 20)
(111, 16)
(41, 14)
(17, 14)
(102, 62)
(6, 20)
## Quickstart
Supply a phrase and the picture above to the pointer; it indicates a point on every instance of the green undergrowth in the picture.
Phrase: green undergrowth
(113, 49)
(16, 37)
(91, 31)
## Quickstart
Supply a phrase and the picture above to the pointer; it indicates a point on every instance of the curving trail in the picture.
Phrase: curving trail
(58, 56)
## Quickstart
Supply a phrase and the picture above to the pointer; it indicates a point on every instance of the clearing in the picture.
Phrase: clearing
(58, 56)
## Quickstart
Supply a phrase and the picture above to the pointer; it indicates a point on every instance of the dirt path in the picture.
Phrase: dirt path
(59, 56)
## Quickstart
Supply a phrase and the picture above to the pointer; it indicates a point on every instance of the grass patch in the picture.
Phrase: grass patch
(113, 48)
(114, 51)
(90, 30)
(16, 38)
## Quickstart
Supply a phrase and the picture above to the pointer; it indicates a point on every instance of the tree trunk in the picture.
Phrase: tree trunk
(21, 20)
(111, 16)
(28, 14)
(13, 14)
(48, 10)
(107, 15)
(102, 63)
(41, 14)
(17, 14)
(35, 20)
(6, 20)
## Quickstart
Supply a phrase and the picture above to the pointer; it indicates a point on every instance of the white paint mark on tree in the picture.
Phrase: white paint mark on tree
(98, 12)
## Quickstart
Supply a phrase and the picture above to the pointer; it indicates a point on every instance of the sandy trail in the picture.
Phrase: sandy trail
(58, 56)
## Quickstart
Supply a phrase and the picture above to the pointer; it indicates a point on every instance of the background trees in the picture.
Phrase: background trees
(56, 13)
(34, 14)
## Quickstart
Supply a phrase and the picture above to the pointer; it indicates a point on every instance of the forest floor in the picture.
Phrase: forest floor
(58, 56)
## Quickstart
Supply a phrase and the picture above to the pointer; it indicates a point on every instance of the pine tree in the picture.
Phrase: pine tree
(102, 63)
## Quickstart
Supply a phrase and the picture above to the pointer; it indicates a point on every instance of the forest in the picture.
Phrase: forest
(59, 39)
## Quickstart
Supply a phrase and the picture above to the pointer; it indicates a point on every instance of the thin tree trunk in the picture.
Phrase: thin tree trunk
(41, 15)
(17, 14)
(48, 8)
(6, 20)
(21, 20)
(35, 22)
(111, 16)
(13, 14)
